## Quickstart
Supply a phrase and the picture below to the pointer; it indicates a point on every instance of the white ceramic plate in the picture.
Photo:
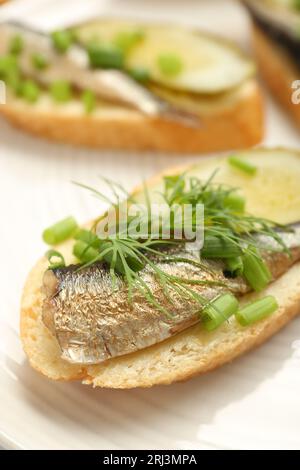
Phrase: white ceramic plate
(252, 403)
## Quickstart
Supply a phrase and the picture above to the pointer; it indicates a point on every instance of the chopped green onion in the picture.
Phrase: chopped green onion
(257, 310)
(242, 164)
(217, 247)
(16, 45)
(218, 311)
(88, 99)
(14, 81)
(10, 73)
(62, 40)
(234, 266)
(55, 254)
(60, 231)
(169, 64)
(126, 40)
(235, 202)
(30, 91)
(61, 91)
(84, 252)
(256, 272)
(7, 63)
(88, 237)
(139, 74)
(105, 56)
(39, 61)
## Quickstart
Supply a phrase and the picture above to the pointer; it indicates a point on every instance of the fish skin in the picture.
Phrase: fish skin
(73, 66)
(94, 322)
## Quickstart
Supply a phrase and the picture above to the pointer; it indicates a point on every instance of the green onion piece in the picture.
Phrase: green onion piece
(139, 74)
(16, 45)
(256, 272)
(30, 91)
(126, 40)
(7, 63)
(217, 247)
(61, 91)
(257, 310)
(62, 40)
(88, 99)
(10, 73)
(84, 252)
(87, 236)
(105, 56)
(60, 231)
(242, 164)
(39, 61)
(218, 311)
(235, 202)
(169, 64)
(50, 254)
(234, 266)
(14, 81)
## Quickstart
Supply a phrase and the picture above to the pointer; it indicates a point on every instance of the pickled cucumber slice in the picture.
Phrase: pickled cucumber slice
(208, 64)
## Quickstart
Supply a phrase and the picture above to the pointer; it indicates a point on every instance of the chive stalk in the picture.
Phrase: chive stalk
(217, 247)
(86, 236)
(169, 65)
(60, 261)
(62, 40)
(88, 99)
(256, 271)
(60, 231)
(235, 266)
(126, 40)
(16, 45)
(61, 91)
(105, 56)
(140, 74)
(30, 91)
(84, 252)
(39, 61)
(235, 202)
(218, 311)
(257, 310)
(242, 164)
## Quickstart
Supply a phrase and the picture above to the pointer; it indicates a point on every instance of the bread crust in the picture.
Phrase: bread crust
(278, 71)
(190, 353)
(237, 125)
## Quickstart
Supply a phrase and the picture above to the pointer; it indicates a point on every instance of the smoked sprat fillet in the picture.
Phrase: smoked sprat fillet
(93, 321)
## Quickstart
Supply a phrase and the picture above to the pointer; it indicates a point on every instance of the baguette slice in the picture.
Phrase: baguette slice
(193, 351)
(217, 83)
(278, 71)
(229, 122)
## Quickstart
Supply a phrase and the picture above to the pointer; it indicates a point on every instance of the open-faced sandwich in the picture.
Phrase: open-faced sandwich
(148, 304)
(125, 84)
(276, 33)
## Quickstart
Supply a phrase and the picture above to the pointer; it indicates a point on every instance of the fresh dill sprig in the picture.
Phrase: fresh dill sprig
(126, 255)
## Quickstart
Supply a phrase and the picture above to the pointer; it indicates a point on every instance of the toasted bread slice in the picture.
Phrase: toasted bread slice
(193, 351)
(230, 121)
(278, 71)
